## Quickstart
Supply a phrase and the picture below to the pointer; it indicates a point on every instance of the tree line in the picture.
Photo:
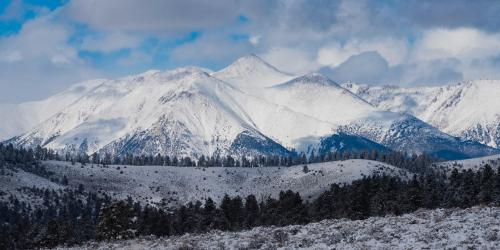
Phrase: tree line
(24, 157)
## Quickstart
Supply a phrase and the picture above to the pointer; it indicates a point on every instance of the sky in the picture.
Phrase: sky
(48, 45)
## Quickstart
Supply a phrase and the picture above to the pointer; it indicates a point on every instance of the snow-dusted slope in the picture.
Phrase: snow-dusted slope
(19, 118)
(469, 110)
(179, 185)
(317, 96)
(472, 228)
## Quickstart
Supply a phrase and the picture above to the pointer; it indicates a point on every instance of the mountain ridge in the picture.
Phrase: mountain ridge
(192, 111)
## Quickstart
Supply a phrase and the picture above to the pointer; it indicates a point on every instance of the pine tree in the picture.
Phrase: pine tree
(209, 214)
(487, 183)
(116, 221)
(251, 211)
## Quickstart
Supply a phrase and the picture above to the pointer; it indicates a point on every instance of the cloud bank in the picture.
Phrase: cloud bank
(47, 45)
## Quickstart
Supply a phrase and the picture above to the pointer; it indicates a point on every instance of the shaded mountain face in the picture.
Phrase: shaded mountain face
(248, 108)
(342, 142)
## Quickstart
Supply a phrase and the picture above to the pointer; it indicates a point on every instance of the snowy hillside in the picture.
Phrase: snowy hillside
(472, 228)
(179, 185)
(17, 183)
(473, 164)
(469, 110)
(248, 108)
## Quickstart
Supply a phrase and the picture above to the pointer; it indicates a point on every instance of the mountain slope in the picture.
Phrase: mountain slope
(468, 110)
(315, 95)
(20, 118)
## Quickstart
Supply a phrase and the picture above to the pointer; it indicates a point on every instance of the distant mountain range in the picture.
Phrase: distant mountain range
(470, 110)
(252, 108)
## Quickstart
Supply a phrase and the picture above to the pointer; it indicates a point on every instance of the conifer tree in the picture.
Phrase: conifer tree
(117, 221)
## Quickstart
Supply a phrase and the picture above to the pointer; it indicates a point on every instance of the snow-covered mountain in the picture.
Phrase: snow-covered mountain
(249, 108)
(470, 110)
(319, 97)
(184, 111)
(20, 118)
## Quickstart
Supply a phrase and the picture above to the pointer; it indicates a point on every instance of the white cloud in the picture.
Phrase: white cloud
(254, 40)
(152, 15)
(11, 56)
(335, 54)
(296, 36)
(38, 61)
(462, 43)
(40, 37)
(210, 48)
(291, 60)
(110, 41)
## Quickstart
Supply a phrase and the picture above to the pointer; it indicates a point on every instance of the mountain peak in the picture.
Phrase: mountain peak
(250, 63)
(251, 71)
(250, 56)
(252, 60)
